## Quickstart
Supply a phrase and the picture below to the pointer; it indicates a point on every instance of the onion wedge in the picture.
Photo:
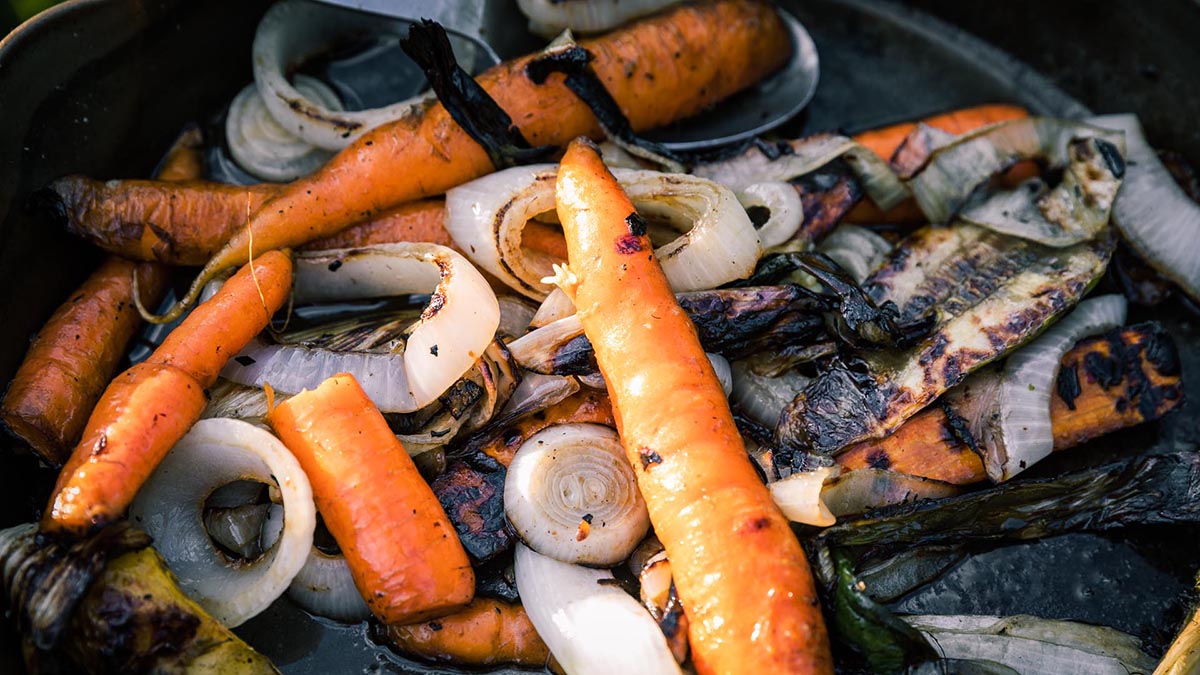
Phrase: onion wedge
(170, 507)
(265, 149)
(590, 625)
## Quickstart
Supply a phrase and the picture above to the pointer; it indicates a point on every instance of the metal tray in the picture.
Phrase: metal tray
(101, 86)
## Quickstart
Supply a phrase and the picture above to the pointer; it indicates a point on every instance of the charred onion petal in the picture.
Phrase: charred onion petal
(324, 587)
(856, 249)
(468, 103)
(1035, 646)
(264, 148)
(571, 495)
(294, 30)
(1075, 210)
(989, 292)
(1017, 434)
(1153, 213)
(44, 579)
(1147, 490)
(862, 490)
(456, 327)
(799, 497)
(783, 206)
(956, 170)
(171, 508)
(590, 625)
(550, 17)
(556, 306)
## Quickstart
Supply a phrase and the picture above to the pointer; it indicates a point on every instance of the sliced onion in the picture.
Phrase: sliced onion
(721, 368)
(457, 326)
(291, 31)
(324, 587)
(1152, 212)
(550, 17)
(236, 401)
(858, 250)
(570, 494)
(535, 350)
(1021, 433)
(799, 497)
(486, 217)
(537, 392)
(515, 316)
(265, 149)
(861, 490)
(784, 208)
(590, 625)
(954, 171)
(761, 397)
(556, 306)
(170, 507)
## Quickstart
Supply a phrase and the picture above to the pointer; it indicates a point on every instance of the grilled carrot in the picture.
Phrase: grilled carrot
(149, 407)
(76, 353)
(887, 140)
(486, 632)
(585, 406)
(423, 220)
(658, 70)
(402, 551)
(1139, 382)
(740, 572)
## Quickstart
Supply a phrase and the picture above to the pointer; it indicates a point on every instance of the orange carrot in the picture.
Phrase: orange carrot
(74, 356)
(741, 574)
(887, 140)
(588, 406)
(928, 444)
(403, 553)
(149, 407)
(185, 159)
(486, 632)
(660, 69)
(545, 238)
(423, 220)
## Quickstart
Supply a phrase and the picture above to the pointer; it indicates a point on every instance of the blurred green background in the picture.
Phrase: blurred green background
(13, 12)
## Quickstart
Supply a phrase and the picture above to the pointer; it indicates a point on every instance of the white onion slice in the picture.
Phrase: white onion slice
(265, 149)
(590, 625)
(531, 349)
(556, 306)
(515, 316)
(324, 587)
(764, 398)
(799, 497)
(486, 216)
(294, 29)
(858, 250)
(537, 392)
(1022, 435)
(724, 374)
(570, 494)
(170, 507)
(455, 329)
(1152, 212)
(550, 17)
(784, 207)
(861, 490)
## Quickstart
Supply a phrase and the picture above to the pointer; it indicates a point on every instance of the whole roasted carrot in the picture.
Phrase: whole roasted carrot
(403, 553)
(658, 70)
(423, 220)
(486, 632)
(1139, 381)
(885, 141)
(149, 407)
(77, 352)
(739, 570)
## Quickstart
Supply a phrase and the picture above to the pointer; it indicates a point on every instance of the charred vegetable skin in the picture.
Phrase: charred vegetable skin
(1118, 380)
(110, 604)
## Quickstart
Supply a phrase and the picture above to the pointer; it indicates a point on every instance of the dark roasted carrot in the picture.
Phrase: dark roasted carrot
(403, 553)
(486, 632)
(741, 574)
(887, 140)
(149, 407)
(928, 444)
(659, 69)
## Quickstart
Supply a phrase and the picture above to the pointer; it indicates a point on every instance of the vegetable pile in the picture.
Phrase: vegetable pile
(489, 371)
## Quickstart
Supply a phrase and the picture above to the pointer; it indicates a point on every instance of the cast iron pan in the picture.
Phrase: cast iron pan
(102, 86)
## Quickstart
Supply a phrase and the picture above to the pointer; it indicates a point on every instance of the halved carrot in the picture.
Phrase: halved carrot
(486, 632)
(929, 445)
(403, 553)
(659, 69)
(149, 407)
(886, 140)
(741, 574)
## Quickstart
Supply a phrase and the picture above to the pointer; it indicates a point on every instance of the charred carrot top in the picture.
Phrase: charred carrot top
(403, 553)
(887, 140)
(486, 632)
(740, 572)
(149, 407)
(658, 70)
(74, 356)
(1086, 406)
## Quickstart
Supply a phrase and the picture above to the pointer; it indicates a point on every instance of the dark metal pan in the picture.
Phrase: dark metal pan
(101, 87)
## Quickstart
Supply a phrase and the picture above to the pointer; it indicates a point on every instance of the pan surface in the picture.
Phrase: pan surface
(111, 81)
